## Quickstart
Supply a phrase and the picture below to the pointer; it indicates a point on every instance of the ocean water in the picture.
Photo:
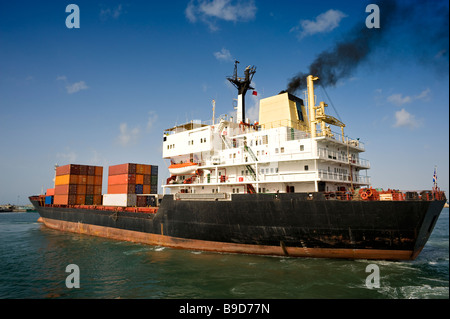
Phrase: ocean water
(33, 261)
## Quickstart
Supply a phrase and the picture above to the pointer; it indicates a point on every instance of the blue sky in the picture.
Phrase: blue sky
(102, 94)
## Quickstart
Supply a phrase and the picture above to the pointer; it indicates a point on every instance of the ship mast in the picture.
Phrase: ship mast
(242, 84)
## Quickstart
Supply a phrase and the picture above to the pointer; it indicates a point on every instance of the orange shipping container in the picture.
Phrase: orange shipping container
(122, 179)
(147, 169)
(72, 169)
(139, 169)
(127, 168)
(146, 189)
(98, 171)
(89, 189)
(68, 189)
(80, 199)
(50, 192)
(81, 189)
(122, 189)
(90, 180)
(97, 190)
(82, 179)
(66, 179)
(64, 200)
(97, 200)
(139, 179)
(98, 180)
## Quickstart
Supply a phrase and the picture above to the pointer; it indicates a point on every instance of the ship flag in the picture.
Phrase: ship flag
(255, 93)
(435, 177)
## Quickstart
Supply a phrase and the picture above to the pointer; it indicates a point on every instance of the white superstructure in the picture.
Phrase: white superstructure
(288, 150)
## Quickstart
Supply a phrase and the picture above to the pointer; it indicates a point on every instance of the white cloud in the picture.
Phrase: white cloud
(399, 99)
(324, 22)
(114, 13)
(223, 55)
(405, 119)
(152, 118)
(68, 156)
(208, 11)
(72, 87)
(75, 87)
(126, 136)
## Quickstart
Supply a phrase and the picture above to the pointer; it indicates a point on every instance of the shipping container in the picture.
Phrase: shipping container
(139, 178)
(82, 179)
(147, 179)
(89, 200)
(146, 189)
(68, 189)
(123, 200)
(128, 168)
(154, 179)
(154, 170)
(98, 180)
(139, 169)
(83, 169)
(66, 179)
(64, 199)
(98, 189)
(98, 171)
(139, 189)
(122, 189)
(147, 169)
(90, 180)
(97, 200)
(72, 169)
(50, 192)
(80, 199)
(48, 200)
(122, 179)
(90, 170)
(81, 189)
(141, 201)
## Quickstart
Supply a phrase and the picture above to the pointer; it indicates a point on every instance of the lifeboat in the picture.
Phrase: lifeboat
(183, 168)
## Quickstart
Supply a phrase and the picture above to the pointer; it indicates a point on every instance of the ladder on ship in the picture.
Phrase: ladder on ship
(222, 125)
(249, 167)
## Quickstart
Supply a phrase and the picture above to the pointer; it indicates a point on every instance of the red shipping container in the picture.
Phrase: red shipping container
(50, 192)
(72, 169)
(83, 169)
(122, 189)
(80, 199)
(68, 189)
(91, 170)
(128, 168)
(147, 179)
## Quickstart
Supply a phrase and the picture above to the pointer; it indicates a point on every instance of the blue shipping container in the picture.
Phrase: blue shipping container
(48, 200)
(139, 189)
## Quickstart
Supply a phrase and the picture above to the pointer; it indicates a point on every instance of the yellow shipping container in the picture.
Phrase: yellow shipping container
(66, 179)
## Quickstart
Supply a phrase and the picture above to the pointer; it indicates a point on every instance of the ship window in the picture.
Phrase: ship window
(276, 150)
(302, 148)
(299, 112)
(276, 169)
(282, 150)
(306, 168)
(271, 169)
(237, 190)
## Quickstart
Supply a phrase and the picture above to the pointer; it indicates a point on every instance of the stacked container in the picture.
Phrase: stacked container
(78, 185)
(127, 181)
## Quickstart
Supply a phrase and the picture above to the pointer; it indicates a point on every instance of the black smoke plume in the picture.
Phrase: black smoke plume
(358, 45)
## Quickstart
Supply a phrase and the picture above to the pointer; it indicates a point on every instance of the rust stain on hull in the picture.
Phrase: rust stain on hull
(193, 244)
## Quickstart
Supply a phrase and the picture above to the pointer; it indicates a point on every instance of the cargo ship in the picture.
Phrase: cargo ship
(286, 185)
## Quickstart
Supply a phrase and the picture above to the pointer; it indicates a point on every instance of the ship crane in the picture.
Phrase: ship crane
(243, 85)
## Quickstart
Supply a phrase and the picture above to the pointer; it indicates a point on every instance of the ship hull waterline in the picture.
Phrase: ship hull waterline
(395, 230)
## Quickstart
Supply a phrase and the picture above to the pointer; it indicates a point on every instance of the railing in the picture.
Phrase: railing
(359, 179)
(324, 153)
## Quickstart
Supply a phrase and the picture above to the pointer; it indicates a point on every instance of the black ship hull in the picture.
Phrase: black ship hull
(294, 224)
